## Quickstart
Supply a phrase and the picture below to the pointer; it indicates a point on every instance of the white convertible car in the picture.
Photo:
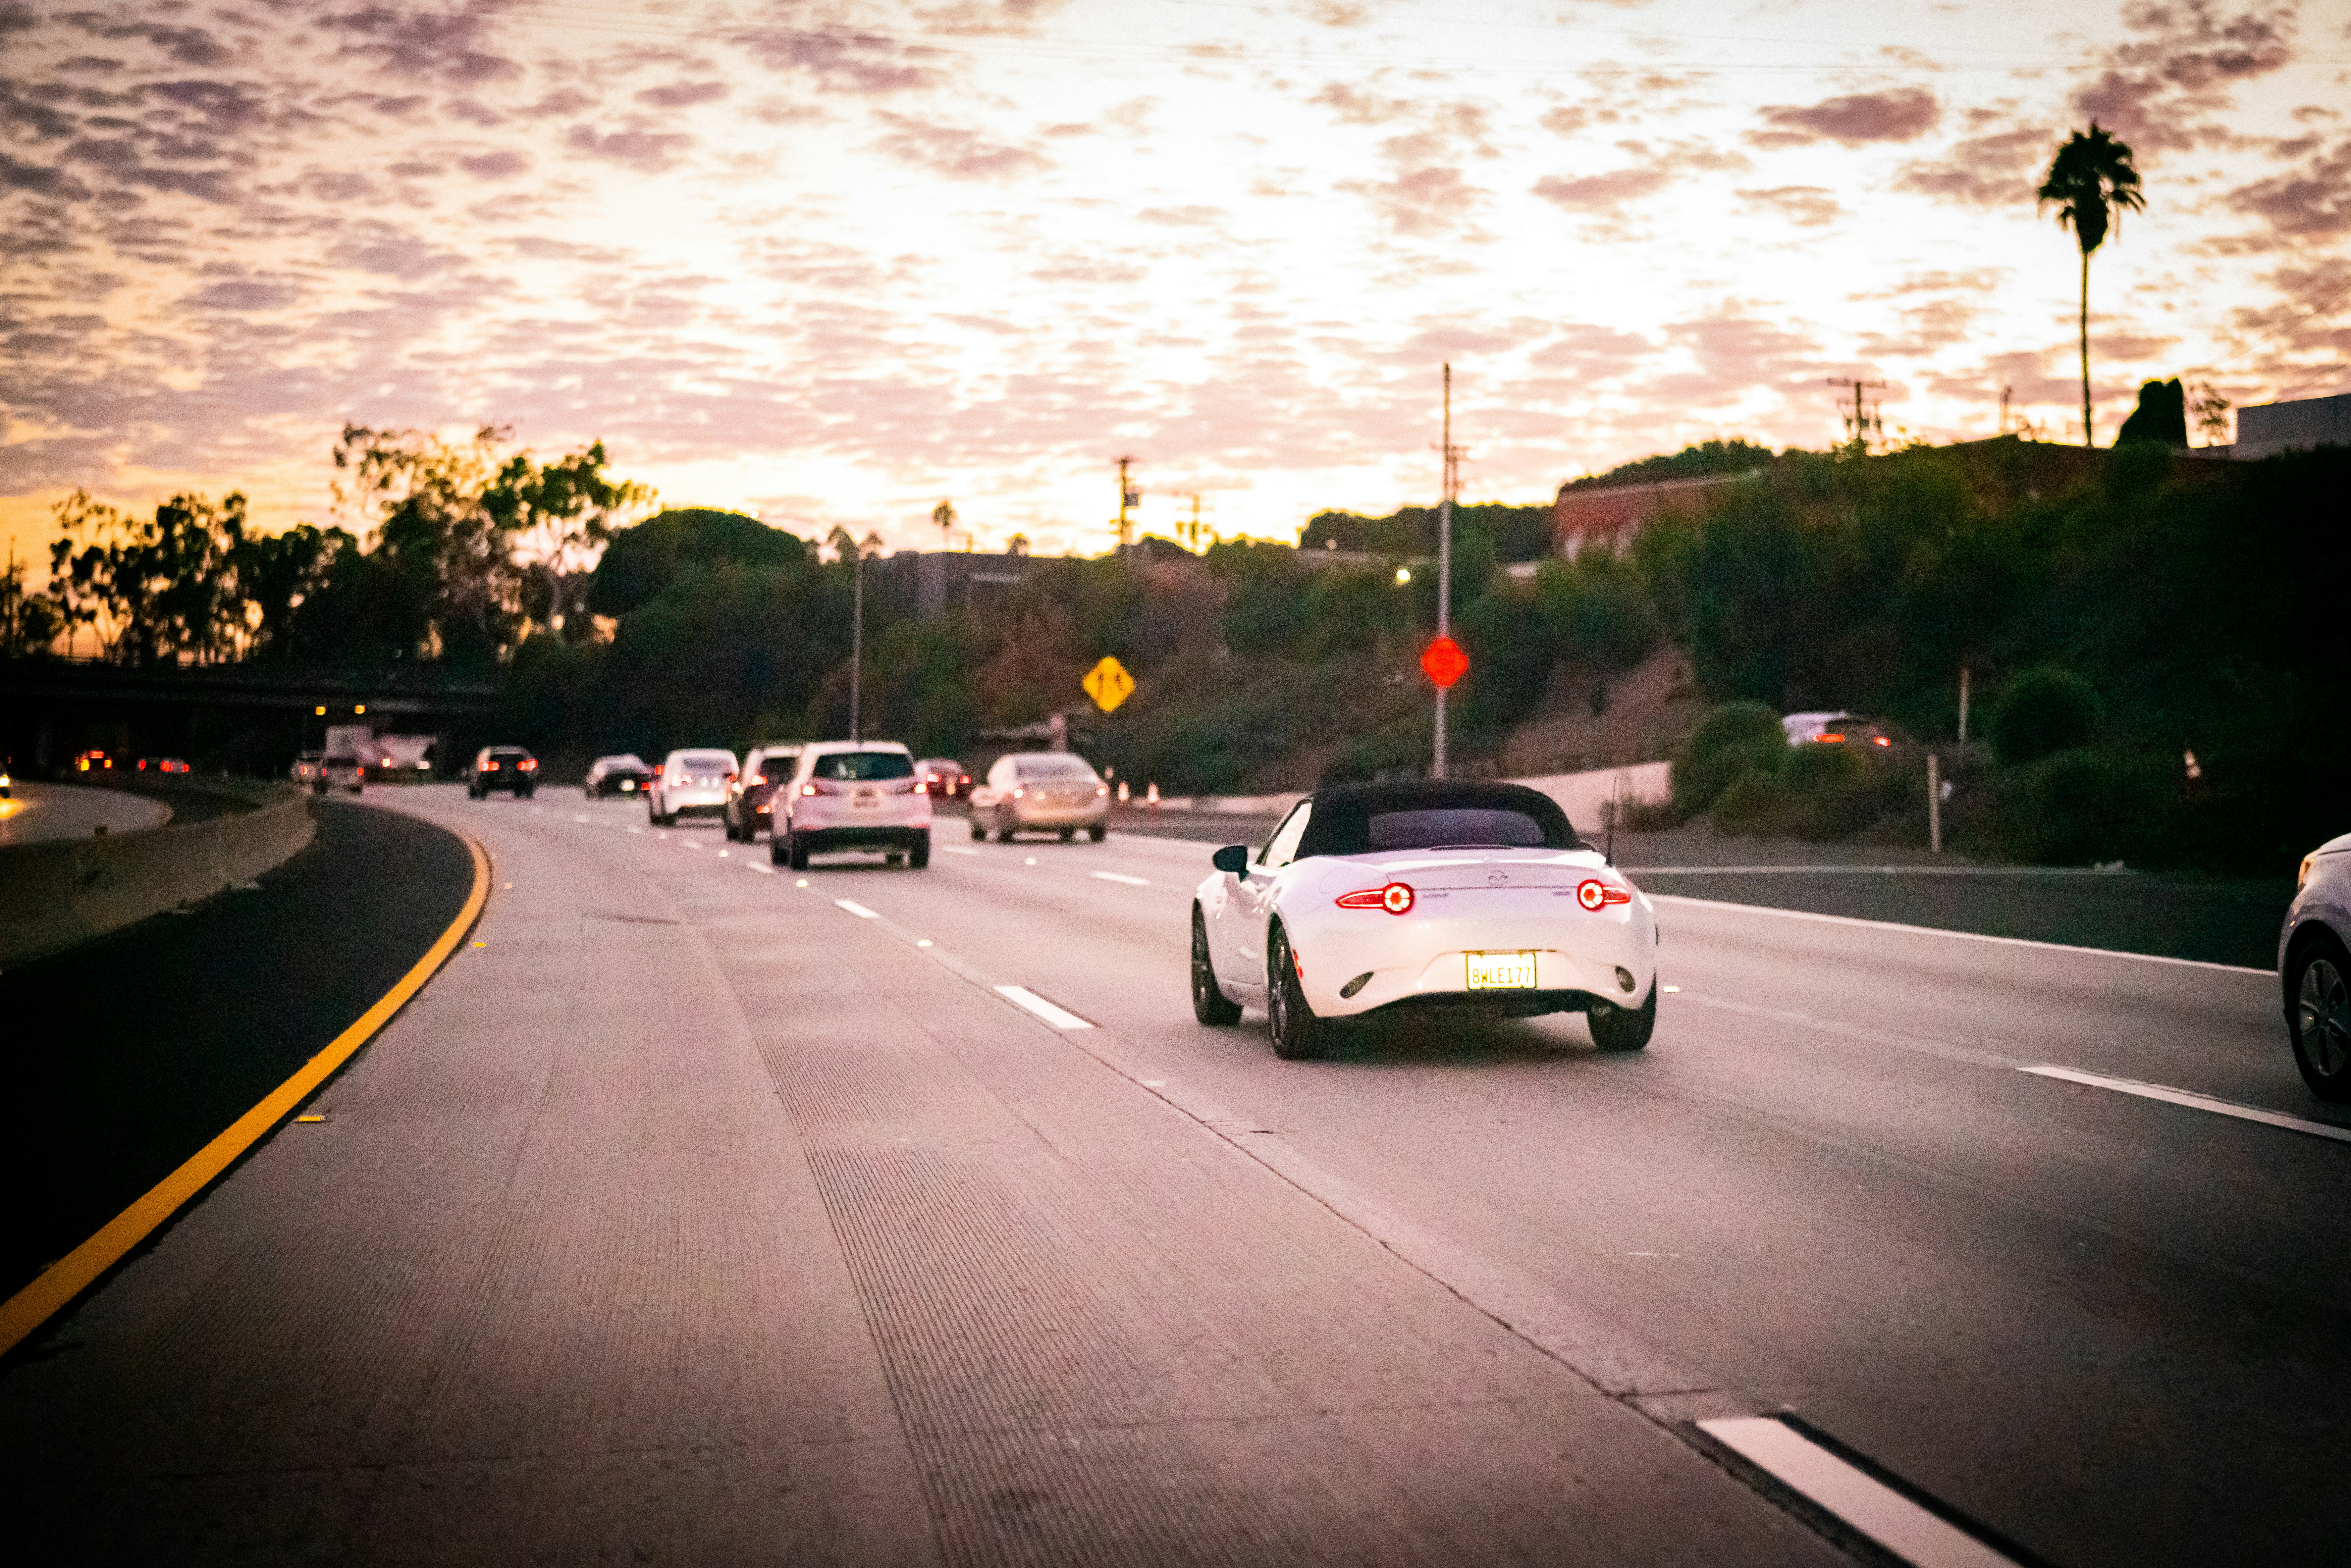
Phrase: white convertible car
(1429, 895)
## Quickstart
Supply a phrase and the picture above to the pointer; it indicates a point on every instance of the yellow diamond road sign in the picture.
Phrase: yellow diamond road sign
(1108, 684)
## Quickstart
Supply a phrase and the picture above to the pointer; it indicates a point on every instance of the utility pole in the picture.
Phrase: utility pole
(1444, 556)
(1863, 422)
(2005, 393)
(1127, 496)
(857, 624)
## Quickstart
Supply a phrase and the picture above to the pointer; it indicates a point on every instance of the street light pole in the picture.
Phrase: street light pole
(1444, 563)
(856, 634)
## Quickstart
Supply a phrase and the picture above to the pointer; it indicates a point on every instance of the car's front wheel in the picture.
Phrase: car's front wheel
(1209, 1003)
(2319, 980)
(1623, 1029)
(1298, 1034)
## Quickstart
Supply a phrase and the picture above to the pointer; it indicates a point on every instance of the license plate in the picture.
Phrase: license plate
(1501, 971)
(867, 798)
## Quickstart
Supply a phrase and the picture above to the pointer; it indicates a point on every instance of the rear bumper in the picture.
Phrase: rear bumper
(1034, 818)
(866, 836)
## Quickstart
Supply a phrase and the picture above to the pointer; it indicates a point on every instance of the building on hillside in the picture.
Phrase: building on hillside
(927, 584)
(1609, 517)
(2272, 427)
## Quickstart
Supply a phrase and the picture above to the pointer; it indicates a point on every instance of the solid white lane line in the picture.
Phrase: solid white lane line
(756, 866)
(1121, 878)
(1960, 936)
(1854, 1496)
(2193, 1101)
(956, 850)
(855, 908)
(1021, 996)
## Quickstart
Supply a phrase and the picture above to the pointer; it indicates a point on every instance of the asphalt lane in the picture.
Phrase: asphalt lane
(703, 1213)
(125, 1056)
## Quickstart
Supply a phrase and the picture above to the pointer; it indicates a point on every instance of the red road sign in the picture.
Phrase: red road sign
(1444, 662)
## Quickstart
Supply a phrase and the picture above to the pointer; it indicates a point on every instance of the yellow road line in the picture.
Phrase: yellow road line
(34, 1305)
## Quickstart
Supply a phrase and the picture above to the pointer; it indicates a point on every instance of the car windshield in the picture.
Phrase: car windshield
(1383, 820)
(508, 754)
(865, 765)
(706, 761)
(1055, 764)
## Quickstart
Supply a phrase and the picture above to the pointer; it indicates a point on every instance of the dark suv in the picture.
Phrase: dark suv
(766, 768)
(508, 768)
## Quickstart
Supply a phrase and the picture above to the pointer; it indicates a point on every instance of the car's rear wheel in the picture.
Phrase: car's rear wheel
(978, 832)
(1298, 1034)
(919, 855)
(2319, 980)
(797, 854)
(1622, 1029)
(1068, 834)
(1209, 1003)
(1004, 834)
(775, 852)
(1098, 833)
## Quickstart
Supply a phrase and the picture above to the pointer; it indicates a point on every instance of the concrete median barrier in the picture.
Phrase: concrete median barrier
(58, 894)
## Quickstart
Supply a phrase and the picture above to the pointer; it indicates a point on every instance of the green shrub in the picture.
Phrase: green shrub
(1756, 804)
(2079, 809)
(1732, 739)
(2044, 711)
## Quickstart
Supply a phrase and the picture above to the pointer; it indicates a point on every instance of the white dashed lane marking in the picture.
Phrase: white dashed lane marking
(855, 908)
(1059, 1018)
(1121, 878)
(1877, 1511)
(2192, 1101)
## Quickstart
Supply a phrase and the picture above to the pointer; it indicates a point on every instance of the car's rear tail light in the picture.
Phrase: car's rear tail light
(1597, 894)
(754, 781)
(1879, 740)
(1102, 789)
(920, 788)
(1395, 898)
(489, 768)
(1019, 793)
(528, 766)
(1825, 737)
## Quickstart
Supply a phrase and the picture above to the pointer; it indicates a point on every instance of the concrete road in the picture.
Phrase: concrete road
(700, 1214)
(35, 811)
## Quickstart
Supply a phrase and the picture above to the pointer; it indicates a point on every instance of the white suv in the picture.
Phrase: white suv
(690, 782)
(847, 794)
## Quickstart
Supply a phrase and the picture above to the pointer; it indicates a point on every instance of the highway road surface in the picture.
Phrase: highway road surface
(698, 1211)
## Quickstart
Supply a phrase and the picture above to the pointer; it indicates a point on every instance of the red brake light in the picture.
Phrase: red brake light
(920, 788)
(1017, 792)
(1837, 737)
(1102, 789)
(755, 781)
(1594, 894)
(489, 768)
(528, 765)
(807, 789)
(1879, 740)
(1395, 898)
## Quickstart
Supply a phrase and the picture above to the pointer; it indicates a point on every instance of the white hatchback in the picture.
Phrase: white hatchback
(690, 783)
(851, 795)
(1429, 896)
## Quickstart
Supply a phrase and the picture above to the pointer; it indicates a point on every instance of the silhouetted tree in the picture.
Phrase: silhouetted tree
(2091, 180)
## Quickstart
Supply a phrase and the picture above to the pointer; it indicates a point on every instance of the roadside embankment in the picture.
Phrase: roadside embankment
(58, 893)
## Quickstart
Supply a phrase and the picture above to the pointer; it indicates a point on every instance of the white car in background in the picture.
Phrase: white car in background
(1429, 895)
(1040, 792)
(691, 782)
(851, 795)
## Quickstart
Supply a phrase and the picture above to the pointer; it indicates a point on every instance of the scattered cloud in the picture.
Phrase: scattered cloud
(1421, 202)
(1999, 170)
(1806, 207)
(957, 152)
(1602, 193)
(648, 151)
(1903, 114)
(683, 94)
(2306, 203)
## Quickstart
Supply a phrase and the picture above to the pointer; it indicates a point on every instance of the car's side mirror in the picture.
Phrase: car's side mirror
(1232, 858)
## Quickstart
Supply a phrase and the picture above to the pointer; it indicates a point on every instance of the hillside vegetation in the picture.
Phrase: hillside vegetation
(2117, 610)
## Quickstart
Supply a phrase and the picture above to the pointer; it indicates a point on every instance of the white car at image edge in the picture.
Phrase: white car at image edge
(1425, 895)
(851, 795)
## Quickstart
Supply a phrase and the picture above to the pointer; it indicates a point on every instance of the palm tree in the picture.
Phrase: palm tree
(2091, 180)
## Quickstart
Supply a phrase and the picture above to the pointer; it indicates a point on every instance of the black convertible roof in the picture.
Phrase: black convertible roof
(1342, 813)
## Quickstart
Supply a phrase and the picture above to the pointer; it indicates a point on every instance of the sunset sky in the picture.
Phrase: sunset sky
(835, 262)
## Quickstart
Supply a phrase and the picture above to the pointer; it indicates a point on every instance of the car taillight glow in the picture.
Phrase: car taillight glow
(1102, 789)
(1395, 898)
(1595, 894)
(920, 788)
(807, 789)
(1879, 740)
(528, 766)
(755, 781)
(1828, 737)
(489, 768)
(1019, 793)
